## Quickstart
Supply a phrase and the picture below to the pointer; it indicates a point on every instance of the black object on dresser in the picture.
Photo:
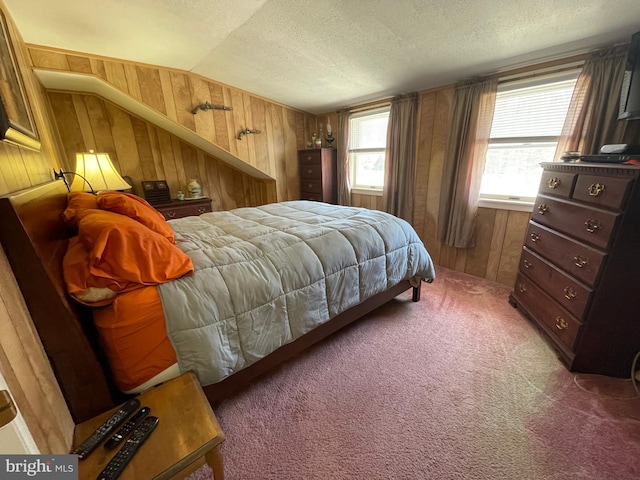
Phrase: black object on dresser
(318, 172)
(579, 272)
(184, 208)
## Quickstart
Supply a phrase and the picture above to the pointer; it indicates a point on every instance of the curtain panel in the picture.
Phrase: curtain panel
(470, 127)
(592, 118)
(400, 157)
(344, 169)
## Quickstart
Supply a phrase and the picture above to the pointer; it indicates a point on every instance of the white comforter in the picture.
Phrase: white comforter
(265, 276)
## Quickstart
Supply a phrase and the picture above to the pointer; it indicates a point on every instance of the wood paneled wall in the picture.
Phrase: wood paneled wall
(175, 93)
(23, 362)
(142, 151)
(500, 233)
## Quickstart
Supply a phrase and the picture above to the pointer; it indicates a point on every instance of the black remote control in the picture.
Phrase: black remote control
(127, 428)
(118, 463)
(90, 444)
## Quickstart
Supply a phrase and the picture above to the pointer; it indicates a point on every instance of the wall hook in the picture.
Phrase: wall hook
(207, 106)
(246, 132)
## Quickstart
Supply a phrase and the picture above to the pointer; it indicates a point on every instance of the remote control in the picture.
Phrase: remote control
(90, 444)
(118, 463)
(127, 428)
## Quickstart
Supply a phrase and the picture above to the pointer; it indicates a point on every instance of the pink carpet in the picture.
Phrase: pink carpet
(456, 386)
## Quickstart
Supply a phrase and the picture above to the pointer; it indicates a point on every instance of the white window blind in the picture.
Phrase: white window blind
(531, 111)
(527, 122)
(369, 131)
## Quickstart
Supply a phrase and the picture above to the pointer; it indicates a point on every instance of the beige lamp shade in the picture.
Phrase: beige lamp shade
(98, 172)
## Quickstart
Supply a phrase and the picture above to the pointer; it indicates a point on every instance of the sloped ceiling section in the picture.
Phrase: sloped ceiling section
(321, 55)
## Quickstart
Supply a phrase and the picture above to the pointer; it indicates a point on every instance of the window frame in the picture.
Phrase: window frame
(362, 188)
(525, 203)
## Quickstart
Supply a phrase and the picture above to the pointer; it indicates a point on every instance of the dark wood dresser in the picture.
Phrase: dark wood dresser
(579, 272)
(184, 208)
(318, 171)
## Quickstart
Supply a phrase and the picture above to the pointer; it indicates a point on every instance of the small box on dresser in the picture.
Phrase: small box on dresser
(579, 271)
(318, 172)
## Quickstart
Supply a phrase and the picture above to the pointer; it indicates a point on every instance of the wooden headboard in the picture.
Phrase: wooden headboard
(34, 237)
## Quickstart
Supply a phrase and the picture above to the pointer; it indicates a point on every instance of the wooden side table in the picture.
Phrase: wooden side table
(187, 436)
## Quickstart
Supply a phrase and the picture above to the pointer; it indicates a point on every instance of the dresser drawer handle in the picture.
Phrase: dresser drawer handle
(527, 263)
(534, 237)
(570, 293)
(202, 210)
(543, 208)
(171, 214)
(310, 185)
(522, 287)
(580, 261)
(309, 172)
(596, 189)
(554, 182)
(309, 158)
(593, 225)
(561, 323)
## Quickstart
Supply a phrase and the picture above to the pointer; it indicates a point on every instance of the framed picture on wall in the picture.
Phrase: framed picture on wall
(16, 120)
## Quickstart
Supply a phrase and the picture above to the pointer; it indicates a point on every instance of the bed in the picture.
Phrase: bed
(267, 282)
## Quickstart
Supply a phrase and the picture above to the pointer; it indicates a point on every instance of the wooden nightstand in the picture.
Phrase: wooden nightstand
(187, 436)
(184, 208)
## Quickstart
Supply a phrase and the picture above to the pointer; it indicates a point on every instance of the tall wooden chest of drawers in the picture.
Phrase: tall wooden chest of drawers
(579, 272)
(318, 172)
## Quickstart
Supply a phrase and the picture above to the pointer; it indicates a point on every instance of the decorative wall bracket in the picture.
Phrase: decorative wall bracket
(207, 106)
(246, 132)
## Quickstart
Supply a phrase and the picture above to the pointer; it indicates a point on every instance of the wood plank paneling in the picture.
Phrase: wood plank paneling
(142, 151)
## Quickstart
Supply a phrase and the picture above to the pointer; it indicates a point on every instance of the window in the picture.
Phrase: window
(527, 123)
(368, 143)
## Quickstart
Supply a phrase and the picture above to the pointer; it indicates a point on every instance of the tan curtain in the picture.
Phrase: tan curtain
(400, 157)
(592, 118)
(343, 174)
(470, 127)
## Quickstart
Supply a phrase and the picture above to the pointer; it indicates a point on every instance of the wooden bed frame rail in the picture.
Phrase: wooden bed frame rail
(34, 238)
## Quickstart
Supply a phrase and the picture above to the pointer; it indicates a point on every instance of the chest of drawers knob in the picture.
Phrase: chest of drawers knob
(592, 225)
(201, 210)
(580, 261)
(569, 293)
(543, 208)
(553, 182)
(171, 214)
(527, 263)
(522, 287)
(561, 323)
(596, 189)
(534, 237)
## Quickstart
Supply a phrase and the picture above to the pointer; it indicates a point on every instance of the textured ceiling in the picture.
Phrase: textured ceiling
(326, 54)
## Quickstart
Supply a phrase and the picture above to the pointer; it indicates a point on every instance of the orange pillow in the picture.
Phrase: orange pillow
(78, 205)
(137, 208)
(82, 285)
(123, 250)
(134, 336)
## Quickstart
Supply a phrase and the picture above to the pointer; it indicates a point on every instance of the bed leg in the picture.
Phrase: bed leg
(416, 293)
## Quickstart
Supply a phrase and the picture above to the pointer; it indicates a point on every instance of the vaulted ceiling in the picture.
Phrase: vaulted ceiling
(325, 54)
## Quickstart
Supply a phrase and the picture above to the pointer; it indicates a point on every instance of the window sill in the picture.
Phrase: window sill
(498, 204)
(367, 191)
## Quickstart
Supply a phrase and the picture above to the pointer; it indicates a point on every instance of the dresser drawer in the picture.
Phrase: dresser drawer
(569, 293)
(578, 260)
(184, 208)
(312, 171)
(557, 183)
(310, 157)
(588, 224)
(607, 192)
(310, 186)
(563, 326)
